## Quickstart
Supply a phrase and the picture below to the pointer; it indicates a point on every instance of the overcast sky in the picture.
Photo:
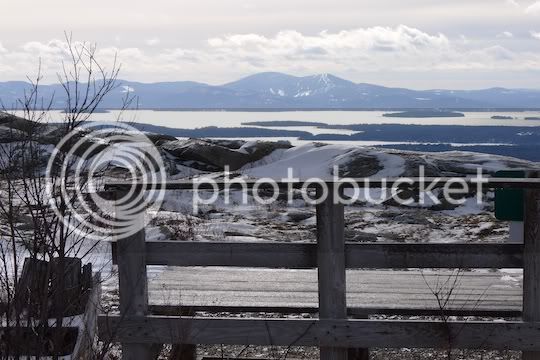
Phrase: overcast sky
(408, 43)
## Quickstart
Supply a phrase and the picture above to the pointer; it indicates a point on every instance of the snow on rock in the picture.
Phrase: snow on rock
(463, 162)
(470, 206)
(306, 161)
(319, 160)
(392, 165)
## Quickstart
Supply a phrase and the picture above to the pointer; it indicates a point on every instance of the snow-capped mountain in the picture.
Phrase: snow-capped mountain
(271, 90)
(283, 85)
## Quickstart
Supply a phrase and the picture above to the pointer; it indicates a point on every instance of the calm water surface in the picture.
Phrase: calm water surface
(197, 119)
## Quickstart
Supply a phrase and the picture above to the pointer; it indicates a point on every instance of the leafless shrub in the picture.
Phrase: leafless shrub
(444, 291)
(30, 230)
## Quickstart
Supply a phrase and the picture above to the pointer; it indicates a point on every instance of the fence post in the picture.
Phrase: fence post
(132, 284)
(331, 265)
(358, 353)
(531, 262)
(184, 351)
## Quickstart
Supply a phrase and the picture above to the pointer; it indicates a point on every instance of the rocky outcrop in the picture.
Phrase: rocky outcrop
(9, 135)
(298, 215)
(360, 163)
(454, 163)
(14, 128)
(216, 156)
(160, 139)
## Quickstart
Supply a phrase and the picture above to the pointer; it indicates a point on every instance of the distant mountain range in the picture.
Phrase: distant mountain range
(277, 91)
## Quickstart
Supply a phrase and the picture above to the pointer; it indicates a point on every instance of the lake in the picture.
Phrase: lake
(486, 135)
(198, 119)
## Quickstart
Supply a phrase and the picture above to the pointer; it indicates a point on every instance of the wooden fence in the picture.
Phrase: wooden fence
(142, 332)
(35, 335)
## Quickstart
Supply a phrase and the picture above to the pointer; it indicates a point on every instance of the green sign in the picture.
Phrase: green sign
(509, 203)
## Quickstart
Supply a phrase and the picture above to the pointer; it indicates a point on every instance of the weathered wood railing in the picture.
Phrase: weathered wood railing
(35, 334)
(141, 332)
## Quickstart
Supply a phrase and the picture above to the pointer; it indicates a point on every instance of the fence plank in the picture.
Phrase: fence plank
(491, 183)
(32, 287)
(188, 253)
(87, 334)
(66, 286)
(358, 312)
(531, 263)
(511, 335)
(132, 285)
(434, 255)
(304, 255)
(37, 342)
(331, 266)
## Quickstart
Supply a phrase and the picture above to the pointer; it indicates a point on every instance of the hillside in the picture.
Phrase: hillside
(259, 158)
(272, 91)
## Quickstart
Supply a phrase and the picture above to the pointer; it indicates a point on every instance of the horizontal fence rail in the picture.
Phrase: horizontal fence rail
(511, 335)
(208, 184)
(354, 312)
(304, 255)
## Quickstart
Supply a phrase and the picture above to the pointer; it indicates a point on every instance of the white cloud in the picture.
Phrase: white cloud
(2, 48)
(376, 39)
(377, 48)
(533, 8)
(505, 35)
(535, 34)
(513, 3)
(371, 50)
(152, 41)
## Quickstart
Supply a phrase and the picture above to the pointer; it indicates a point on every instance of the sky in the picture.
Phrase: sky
(419, 44)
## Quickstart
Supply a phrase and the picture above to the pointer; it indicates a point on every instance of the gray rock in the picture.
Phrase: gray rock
(297, 215)
(160, 139)
(360, 236)
(231, 144)
(209, 152)
(8, 135)
(360, 165)
(206, 153)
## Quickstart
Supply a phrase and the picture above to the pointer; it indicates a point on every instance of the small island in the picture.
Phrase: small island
(282, 123)
(502, 117)
(94, 111)
(532, 118)
(424, 114)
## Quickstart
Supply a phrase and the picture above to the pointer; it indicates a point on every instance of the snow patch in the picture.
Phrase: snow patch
(127, 89)
(316, 160)
(277, 92)
(469, 207)
(303, 93)
(393, 165)
(306, 161)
